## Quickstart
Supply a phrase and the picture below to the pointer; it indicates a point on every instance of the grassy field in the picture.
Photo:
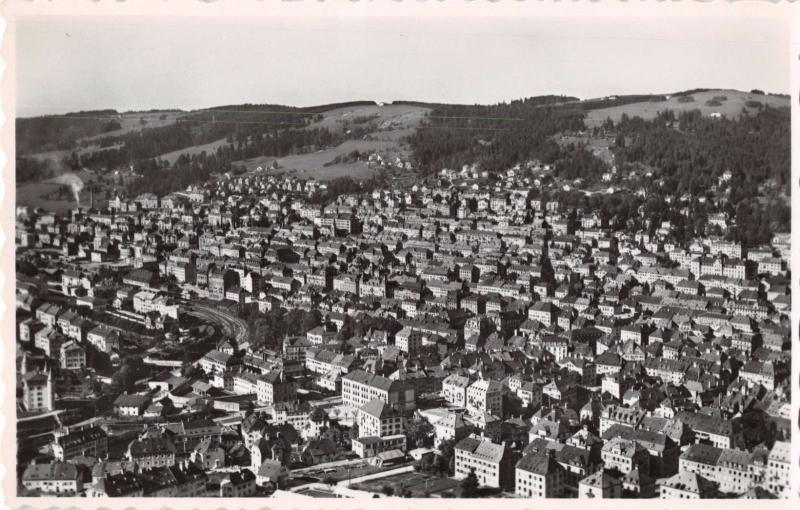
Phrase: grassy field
(600, 147)
(391, 125)
(133, 122)
(400, 116)
(44, 194)
(209, 148)
(731, 107)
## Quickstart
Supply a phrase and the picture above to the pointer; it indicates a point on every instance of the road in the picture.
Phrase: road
(231, 326)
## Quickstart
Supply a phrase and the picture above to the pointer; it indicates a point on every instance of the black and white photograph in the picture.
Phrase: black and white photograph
(365, 257)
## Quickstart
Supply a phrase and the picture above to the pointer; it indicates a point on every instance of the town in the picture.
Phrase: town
(457, 336)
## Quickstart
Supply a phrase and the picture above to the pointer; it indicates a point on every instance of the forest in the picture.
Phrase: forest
(61, 132)
(690, 153)
(494, 137)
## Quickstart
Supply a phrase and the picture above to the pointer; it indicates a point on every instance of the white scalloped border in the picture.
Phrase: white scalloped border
(495, 7)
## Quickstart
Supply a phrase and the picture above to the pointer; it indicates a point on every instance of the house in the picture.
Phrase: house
(454, 389)
(377, 418)
(359, 387)
(275, 387)
(687, 485)
(84, 442)
(151, 452)
(53, 478)
(485, 396)
(72, 356)
(451, 426)
(271, 473)
(131, 405)
(214, 362)
(625, 455)
(317, 451)
(238, 485)
(492, 463)
(208, 454)
(104, 338)
(600, 485)
(539, 475)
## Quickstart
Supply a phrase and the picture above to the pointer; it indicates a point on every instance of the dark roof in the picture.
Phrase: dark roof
(151, 446)
(51, 471)
(132, 400)
(81, 436)
(539, 463)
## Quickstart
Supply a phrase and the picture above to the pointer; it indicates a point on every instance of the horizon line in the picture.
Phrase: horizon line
(215, 109)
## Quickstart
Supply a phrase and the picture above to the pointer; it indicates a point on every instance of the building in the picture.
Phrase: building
(600, 485)
(37, 391)
(409, 341)
(539, 475)
(103, 338)
(54, 478)
(492, 463)
(85, 442)
(131, 405)
(625, 455)
(377, 418)
(686, 485)
(359, 387)
(778, 475)
(275, 387)
(454, 389)
(485, 396)
(72, 356)
(152, 452)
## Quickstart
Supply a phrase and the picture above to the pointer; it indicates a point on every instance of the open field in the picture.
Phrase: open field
(133, 122)
(209, 148)
(599, 147)
(44, 194)
(313, 164)
(35, 194)
(399, 116)
(390, 124)
(731, 107)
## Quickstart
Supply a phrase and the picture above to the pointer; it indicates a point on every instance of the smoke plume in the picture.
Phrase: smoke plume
(74, 182)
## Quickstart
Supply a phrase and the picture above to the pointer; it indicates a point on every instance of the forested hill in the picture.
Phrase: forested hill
(494, 137)
(61, 132)
(687, 152)
(691, 153)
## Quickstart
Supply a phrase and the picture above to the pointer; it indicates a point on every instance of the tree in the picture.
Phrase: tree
(310, 321)
(419, 432)
(387, 490)
(757, 428)
(123, 379)
(318, 415)
(445, 462)
(469, 485)
(425, 464)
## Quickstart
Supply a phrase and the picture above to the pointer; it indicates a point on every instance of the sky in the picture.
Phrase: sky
(72, 64)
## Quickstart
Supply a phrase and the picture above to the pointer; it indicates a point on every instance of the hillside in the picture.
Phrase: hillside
(381, 129)
(731, 106)
(172, 149)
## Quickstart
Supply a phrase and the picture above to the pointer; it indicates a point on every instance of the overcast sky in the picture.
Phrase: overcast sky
(85, 63)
